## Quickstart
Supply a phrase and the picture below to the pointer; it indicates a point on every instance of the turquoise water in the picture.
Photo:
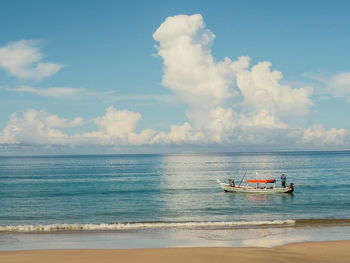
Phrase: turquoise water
(108, 192)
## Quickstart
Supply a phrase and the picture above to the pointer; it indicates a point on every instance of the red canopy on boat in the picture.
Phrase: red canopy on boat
(261, 181)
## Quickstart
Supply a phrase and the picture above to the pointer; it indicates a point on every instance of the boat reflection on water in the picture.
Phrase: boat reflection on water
(256, 198)
(265, 199)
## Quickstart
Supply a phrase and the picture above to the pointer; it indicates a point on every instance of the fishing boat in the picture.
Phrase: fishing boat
(267, 186)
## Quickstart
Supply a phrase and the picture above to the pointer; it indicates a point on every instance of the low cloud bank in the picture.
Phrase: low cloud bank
(119, 128)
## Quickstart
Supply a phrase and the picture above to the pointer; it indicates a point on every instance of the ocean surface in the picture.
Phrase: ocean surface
(128, 192)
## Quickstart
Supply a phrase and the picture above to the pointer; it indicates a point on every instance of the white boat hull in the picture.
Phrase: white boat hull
(247, 189)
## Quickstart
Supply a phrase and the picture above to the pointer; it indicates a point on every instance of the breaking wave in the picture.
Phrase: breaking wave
(141, 225)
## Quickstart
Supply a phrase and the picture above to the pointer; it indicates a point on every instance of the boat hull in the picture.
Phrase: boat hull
(246, 189)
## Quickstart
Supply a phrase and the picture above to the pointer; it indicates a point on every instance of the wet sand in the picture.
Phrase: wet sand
(330, 251)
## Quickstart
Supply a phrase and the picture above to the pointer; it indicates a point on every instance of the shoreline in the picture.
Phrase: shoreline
(326, 252)
(267, 237)
(127, 226)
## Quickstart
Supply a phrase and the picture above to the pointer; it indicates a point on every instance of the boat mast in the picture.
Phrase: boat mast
(242, 179)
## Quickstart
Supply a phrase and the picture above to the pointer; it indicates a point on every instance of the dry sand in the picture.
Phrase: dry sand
(321, 252)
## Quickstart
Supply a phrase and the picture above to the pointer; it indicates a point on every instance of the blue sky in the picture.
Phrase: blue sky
(103, 56)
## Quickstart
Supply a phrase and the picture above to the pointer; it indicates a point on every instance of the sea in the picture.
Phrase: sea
(162, 200)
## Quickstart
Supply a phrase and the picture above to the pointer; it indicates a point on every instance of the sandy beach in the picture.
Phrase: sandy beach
(332, 252)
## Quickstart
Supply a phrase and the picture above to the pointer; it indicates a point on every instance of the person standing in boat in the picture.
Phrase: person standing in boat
(283, 180)
(231, 182)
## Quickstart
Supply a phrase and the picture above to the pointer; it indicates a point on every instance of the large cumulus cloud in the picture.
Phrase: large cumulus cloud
(207, 86)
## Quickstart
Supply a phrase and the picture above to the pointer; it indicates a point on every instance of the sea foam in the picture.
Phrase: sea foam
(132, 226)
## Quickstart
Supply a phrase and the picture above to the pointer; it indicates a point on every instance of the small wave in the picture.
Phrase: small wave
(133, 226)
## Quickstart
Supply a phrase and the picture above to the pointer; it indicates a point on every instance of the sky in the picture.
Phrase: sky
(88, 77)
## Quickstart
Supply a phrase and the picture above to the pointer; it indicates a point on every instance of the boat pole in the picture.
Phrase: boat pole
(242, 179)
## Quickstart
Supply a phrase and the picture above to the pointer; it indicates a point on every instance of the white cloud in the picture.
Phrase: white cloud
(117, 127)
(56, 92)
(333, 86)
(264, 119)
(191, 72)
(339, 85)
(207, 87)
(179, 134)
(189, 68)
(319, 136)
(22, 59)
(34, 126)
(266, 99)
(78, 121)
(228, 102)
